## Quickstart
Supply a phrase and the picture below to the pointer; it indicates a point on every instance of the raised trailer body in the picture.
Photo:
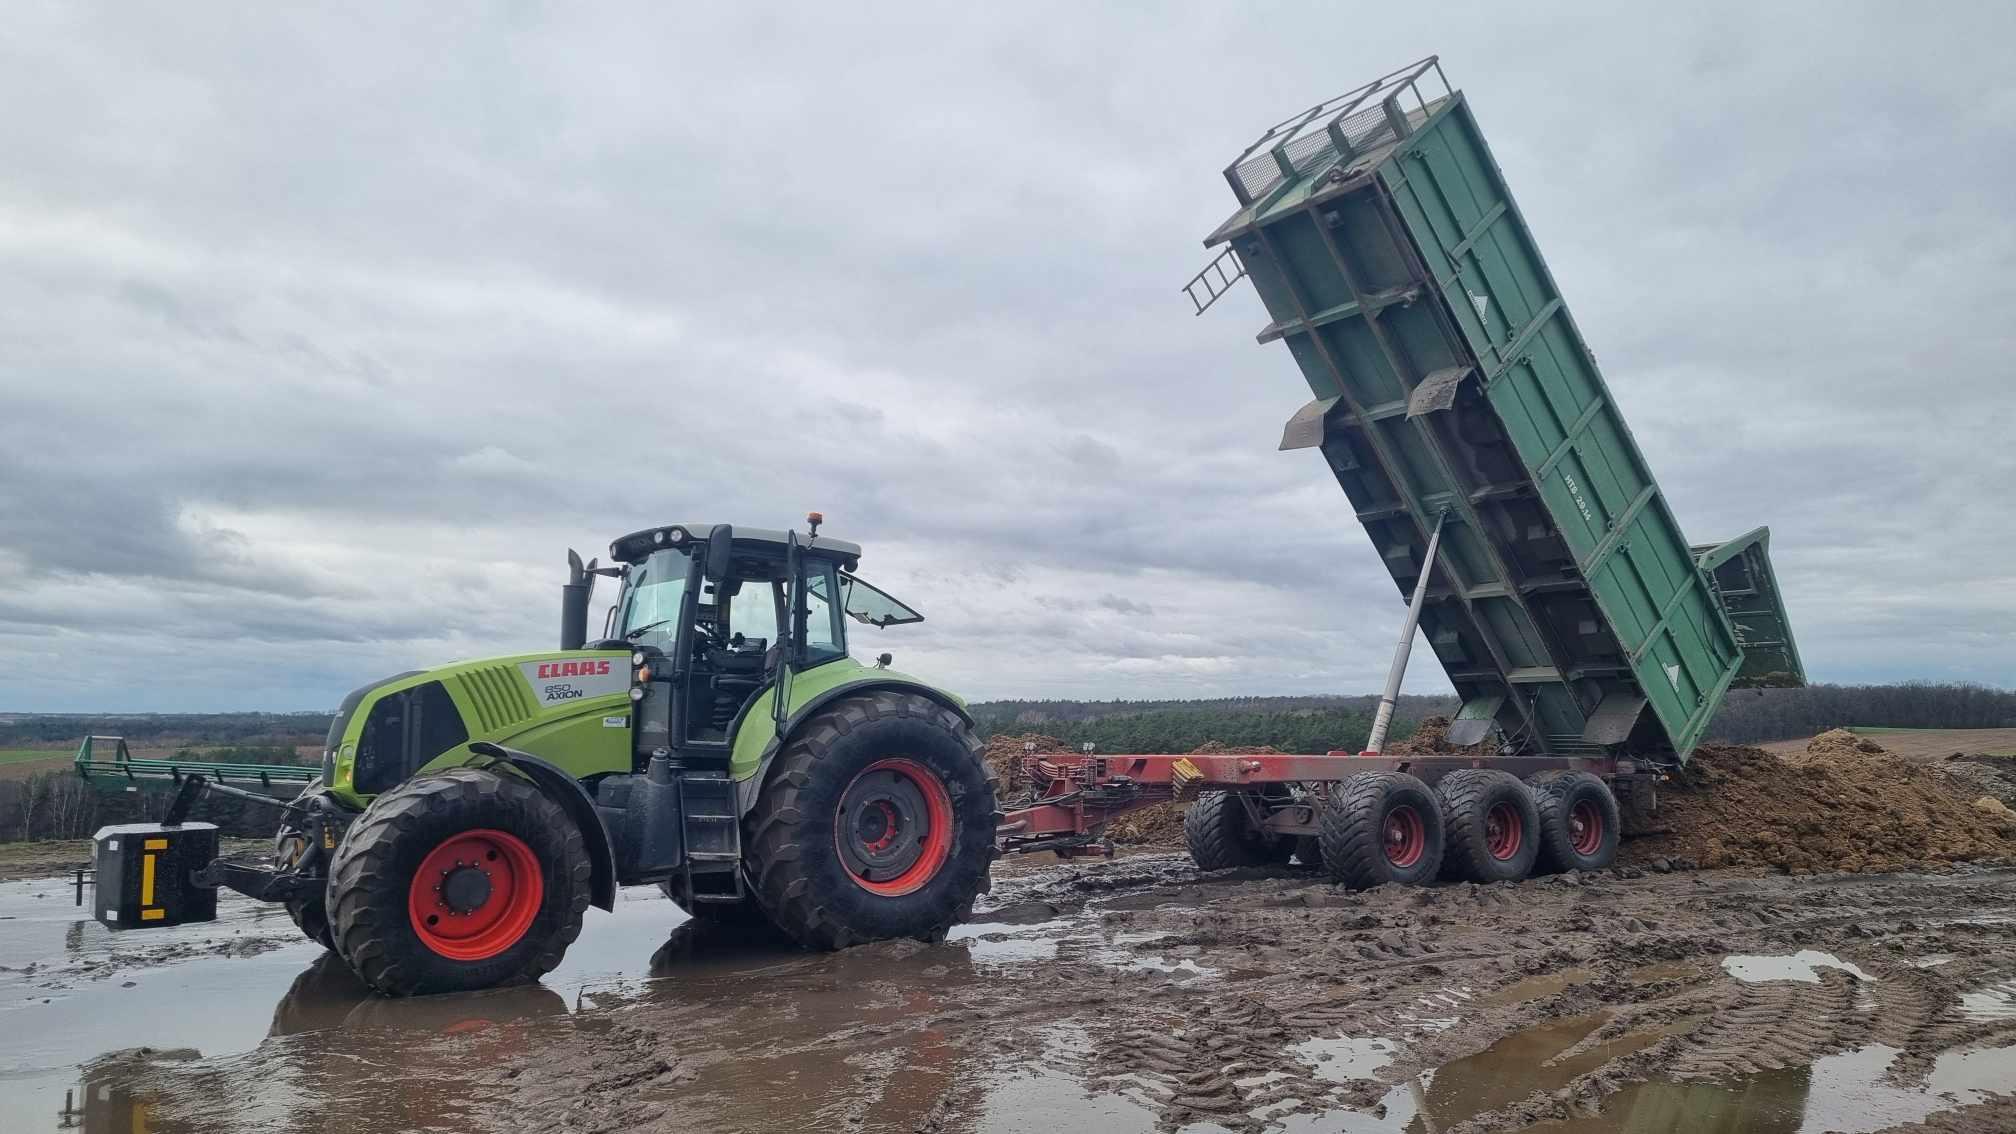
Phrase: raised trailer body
(1452, 389)
(1450, 378)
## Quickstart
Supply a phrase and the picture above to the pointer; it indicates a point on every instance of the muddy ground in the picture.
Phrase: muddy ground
(1129, 995)
(1770, 990)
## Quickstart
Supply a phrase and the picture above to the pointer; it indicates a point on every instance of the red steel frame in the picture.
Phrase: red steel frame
(1077, 794)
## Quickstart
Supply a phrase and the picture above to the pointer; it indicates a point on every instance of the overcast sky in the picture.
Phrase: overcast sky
(322, 338)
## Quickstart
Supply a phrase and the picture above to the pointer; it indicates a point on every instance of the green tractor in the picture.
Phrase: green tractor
(718, 740)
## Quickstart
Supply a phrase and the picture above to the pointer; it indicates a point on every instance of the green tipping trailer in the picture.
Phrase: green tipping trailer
(1451, 383)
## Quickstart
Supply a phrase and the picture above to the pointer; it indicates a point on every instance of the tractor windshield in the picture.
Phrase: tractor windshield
(651, 597)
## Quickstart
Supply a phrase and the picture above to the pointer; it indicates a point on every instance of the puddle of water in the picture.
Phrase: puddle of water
(994, 944)
(1844, 1093)
(1995, 1002)
(1536, 987)
(1933, 961)
(1802, 966)
(1345, 1058)
(1505, 1072)
(182, 990)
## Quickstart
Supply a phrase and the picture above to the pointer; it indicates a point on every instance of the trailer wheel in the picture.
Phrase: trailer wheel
(1381, 827)
(876, 821)
(1221, 834)
(457, 881)
(1579, 821)
(1492, 825)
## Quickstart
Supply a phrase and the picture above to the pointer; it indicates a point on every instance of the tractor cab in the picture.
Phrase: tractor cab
(715, 616)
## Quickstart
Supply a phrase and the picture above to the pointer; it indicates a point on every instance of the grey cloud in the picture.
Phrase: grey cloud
(326, 334)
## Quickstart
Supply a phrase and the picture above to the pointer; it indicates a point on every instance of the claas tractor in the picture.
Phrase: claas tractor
(718, 740)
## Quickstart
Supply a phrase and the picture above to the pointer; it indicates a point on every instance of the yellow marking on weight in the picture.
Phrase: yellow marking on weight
(154, 844)
(146, 881)
(153, 915)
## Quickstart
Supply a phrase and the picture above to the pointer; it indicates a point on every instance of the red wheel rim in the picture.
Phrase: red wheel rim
(1504, 830)
(1405, 836)
(1585, 827)
(476, 894)
(893, 827)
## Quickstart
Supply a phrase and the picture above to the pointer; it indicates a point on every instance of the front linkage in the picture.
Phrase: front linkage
(167, 873)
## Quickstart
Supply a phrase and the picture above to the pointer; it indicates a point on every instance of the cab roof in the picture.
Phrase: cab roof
(635, 546)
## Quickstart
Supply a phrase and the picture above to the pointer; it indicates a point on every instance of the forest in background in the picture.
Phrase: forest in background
(56, 804)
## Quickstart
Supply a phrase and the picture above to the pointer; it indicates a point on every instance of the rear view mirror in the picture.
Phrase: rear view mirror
(720, 552)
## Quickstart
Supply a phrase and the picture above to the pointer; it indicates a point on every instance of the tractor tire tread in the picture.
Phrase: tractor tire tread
(363, 930)
(777, 860)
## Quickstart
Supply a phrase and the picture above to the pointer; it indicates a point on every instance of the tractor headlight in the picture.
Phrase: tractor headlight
(636, 692)
(636, 658)
(676, 535)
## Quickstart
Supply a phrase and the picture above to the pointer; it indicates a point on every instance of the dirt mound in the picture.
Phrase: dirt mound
(1837, 744)
(1978, 776)
(1844, 810)
(1430, 736)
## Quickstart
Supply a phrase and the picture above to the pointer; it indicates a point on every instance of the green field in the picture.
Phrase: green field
(25, 755)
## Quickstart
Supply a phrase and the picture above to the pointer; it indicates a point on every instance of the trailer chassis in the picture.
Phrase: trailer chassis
(1076, 795)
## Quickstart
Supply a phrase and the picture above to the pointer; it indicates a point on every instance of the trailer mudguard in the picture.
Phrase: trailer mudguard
(573, 798)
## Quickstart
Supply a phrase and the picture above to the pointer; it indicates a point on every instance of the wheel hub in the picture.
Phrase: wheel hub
(465, 888)
(1405, 836)
(894, 826)
(1503, 831)
(476, 894)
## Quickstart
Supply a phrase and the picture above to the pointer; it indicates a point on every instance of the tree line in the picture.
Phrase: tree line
(1749, 716)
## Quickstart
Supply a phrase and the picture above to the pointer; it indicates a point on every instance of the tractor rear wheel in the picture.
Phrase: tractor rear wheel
(1579, 822)
(457, 881)
(1492, 825)
(1221, 834)
(875, 821)
(1381, 827)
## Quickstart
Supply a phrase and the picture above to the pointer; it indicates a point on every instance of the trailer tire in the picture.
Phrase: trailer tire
(1579, 822)
(1381, 827)
(1221, 835)
(1491, 824)
(524, 887)
(868, 772)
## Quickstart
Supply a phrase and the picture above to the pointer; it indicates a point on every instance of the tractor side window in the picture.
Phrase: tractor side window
(824, 639)
(864, 602)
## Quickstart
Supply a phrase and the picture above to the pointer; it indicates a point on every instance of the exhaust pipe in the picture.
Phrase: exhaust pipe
(574, 595)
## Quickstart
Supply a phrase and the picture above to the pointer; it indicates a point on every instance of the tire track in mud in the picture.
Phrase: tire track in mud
(1777, 1024)
(1192, 995)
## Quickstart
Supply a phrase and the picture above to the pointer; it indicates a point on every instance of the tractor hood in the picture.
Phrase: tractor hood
(571, 707)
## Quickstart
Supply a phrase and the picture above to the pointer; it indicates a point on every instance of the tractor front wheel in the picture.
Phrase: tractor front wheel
(458, 881)
(875, 821)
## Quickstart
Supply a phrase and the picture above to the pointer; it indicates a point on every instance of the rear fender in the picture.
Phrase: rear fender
(747, 789)
(566, 791)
